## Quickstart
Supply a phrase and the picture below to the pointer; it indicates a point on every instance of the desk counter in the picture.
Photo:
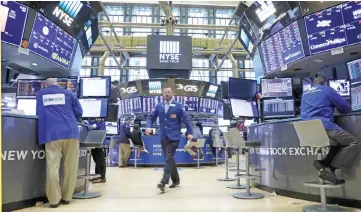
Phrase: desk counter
(287, 165)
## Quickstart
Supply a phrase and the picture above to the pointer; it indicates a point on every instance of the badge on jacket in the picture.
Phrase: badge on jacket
(173, 116)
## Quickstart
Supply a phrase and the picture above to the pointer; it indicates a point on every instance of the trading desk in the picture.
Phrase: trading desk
(23, 163)
(287, 165)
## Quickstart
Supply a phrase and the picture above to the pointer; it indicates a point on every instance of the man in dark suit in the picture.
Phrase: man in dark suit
(171, 115)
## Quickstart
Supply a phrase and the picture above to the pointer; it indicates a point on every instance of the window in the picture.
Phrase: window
(223, 76)
(113, 73)
(85, 72)
(141, 14)
(227, 64)
(223, 16)
(87, 61)
(115, 14)
(198, 16)
(107, 32)
(138, 61)
(200, 75)
(136, 74)
(250, 75)
(200, 63)
(248, 64)
(111, 62)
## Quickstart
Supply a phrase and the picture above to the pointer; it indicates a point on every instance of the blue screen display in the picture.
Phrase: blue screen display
(12, 22)
(334, 27)
(354, 70)
(149, 102)
(242, 88)
(275, 108)
(208, 106)
(356, 97)
(130, 106)
(189, 103)
(280, 87)
(282, 48)
(51, 42)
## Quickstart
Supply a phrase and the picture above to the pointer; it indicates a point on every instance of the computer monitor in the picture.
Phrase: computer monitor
(95, 86)
(223, 122)
(277, 88)
(341, 86)
(356, 97)
(242, 88)
(27, 105)
(244, 108)
(227, 112)
(306, 84)
(354, 70)
(94, 108)
(112, 128)
(224, 90)
(278, 108)
(112, 113)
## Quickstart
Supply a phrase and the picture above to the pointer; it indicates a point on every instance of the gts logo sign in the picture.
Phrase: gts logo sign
(128, 90)
(188, 88)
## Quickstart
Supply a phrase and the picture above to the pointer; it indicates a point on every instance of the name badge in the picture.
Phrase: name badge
(171, 105)
(173, 116)
(53, 99)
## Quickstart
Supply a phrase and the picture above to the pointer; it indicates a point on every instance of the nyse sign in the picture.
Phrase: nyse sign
(187, 88)
(132, 89)
(62, 16)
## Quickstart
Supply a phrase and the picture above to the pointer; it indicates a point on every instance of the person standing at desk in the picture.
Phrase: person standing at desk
(58, 110)
(319, 102)
(124, 146)
(170, 114)
(197, 134)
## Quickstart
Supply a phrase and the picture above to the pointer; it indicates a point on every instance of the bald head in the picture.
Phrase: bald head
(51, 81)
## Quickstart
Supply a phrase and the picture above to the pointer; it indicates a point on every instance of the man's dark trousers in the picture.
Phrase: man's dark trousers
(170, 167)
(99, 159)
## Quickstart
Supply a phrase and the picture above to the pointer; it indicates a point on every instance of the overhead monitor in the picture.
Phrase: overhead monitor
(356, 97)
(130, 106)
(242, 88)
(13, 19)
(190, 103)
(94, 86)
(244, 108)
(306, 84)
(150, 102)
(27, 105)
(278, 108)
(212, 91)
(247, 42)
(208, 106)
(280, 87)
(354, 70)
(341, 86)
(94, 108)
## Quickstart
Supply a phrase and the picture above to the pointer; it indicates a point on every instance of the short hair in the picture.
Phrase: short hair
(320, 80)
(51, 81)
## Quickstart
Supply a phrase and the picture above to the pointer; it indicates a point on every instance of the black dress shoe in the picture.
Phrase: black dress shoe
(161, 186)
(55, 206)
(64, 202)
(318, 165)
(174, 185)
(328, 175)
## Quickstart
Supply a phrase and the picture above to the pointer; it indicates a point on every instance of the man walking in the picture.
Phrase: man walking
(58, 111)
(124, 146)
(170, 114)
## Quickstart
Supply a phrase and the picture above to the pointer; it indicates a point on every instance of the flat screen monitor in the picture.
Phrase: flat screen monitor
(244, 108)
(112, 113)
(224, 90)
(212, 91)
(208, 106)
(279, 88)
(354, 71)
(28, 106)
(227, 112)
(356, 98)
(341, 86)
(242, 88)
(94, 108)
(278, 108)
(94, 86)
(306, 84)
(112, 130)
(223, 122)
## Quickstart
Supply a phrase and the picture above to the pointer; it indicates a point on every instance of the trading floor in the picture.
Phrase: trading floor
(135, 190)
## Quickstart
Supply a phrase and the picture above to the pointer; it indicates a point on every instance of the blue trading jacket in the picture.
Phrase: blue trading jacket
(170, 122)
(58, 111)
(319, 102)
(124, 133)
(100, 125)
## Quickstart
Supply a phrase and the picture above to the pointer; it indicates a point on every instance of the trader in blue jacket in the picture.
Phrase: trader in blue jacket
(170, 114)
(58, 111)
(124, 144)
(319, 102)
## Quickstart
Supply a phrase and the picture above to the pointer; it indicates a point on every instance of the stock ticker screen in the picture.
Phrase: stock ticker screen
(280, 87)
(274, 108)
(356, 97)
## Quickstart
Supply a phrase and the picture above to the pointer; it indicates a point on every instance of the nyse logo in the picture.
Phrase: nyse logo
(188, 88)
(129, 90)
(66, 11)
(324, 23)
(169, 52)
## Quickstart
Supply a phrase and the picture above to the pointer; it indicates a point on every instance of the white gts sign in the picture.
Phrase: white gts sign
(132, 89)
(187, 88)
(169, 52)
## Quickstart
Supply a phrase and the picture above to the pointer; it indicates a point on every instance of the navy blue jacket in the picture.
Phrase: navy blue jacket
(124, 133)
(58, 111)
(100, 125)
(319, 102)
(170, 122)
